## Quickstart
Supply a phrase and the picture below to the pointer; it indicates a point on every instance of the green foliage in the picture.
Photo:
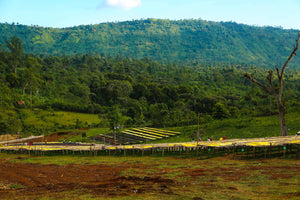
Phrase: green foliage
(232, 128)
(15, 46)
(36, 122)
(158, 113)
(6, 99)
(12, 79)
(182, 41)
(16, 186)
(165, 96)
(125, 92)
(10, 123)
(78, 124)
(220, 111)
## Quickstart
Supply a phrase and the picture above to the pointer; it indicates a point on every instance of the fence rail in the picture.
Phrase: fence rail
(263, 147)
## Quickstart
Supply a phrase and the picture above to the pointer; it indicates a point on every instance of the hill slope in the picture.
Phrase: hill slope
(196, 41)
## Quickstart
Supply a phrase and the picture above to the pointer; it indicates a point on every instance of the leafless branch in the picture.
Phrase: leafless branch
(271, 89)
(258, 83)
(280, 76)
(270, 79)
(290, 57)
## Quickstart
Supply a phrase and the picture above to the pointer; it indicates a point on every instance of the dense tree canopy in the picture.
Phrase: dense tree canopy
(133, 92)
(182, 41)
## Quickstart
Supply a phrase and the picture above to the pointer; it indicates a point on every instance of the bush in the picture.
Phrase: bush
(74, 107)
(221, 112)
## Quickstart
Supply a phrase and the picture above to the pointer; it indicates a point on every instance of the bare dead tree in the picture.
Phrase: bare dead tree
(277, 93)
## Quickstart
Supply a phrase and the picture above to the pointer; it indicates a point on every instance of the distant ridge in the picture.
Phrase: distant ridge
(186, 41)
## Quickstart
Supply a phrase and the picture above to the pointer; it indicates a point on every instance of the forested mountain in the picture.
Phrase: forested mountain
(183, 41)
(146, 72)
(129, 92)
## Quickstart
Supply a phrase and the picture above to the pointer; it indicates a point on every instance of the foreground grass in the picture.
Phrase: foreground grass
(215, 178)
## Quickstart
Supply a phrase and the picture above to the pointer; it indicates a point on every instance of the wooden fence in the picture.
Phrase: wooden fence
(254, 147)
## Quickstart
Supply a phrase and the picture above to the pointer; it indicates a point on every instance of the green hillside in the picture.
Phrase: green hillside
(108, 72)
(128, 92)
(183, 41)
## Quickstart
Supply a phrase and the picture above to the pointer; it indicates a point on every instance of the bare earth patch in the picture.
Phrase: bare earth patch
(148, 178)
(99, 180)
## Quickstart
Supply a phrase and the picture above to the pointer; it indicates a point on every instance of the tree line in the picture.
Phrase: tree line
(134, 92)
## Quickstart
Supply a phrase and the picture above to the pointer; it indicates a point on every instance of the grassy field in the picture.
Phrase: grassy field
(89, 134)
(60, 119)
(39, 122)
(243, 127)
(167, 178)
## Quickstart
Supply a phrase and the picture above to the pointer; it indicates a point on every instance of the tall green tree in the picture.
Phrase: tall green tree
(118, 89)
(16, 51)
(5, 96)
(30, 77)
(158, 113)
(220, 111)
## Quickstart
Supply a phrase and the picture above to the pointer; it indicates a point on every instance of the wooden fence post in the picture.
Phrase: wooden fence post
(265, 152)
(233, 151)
(270, 152)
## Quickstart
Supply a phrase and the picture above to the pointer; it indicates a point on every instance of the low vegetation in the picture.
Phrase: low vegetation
(149, 177)
(242, 127)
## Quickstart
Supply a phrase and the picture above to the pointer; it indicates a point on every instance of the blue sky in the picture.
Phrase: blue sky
(67, 13)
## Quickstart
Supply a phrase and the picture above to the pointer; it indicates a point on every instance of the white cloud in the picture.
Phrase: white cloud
(124, 4)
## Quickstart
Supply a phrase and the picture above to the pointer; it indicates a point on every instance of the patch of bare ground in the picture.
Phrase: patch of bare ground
(170, 178)
(52, 179)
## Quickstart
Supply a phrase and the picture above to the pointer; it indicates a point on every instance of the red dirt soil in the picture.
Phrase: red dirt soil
(106, 181)
(54, 137)
(52, 180)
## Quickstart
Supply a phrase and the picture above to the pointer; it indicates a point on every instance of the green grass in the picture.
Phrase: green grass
(56, 118)
(38, 121)
(215, 178)
(46, 122)
(89, 133)
(243, 127)
(16, 186)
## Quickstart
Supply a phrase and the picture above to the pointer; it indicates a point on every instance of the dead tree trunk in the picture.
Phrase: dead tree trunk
(277, 94)
(281, 113)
